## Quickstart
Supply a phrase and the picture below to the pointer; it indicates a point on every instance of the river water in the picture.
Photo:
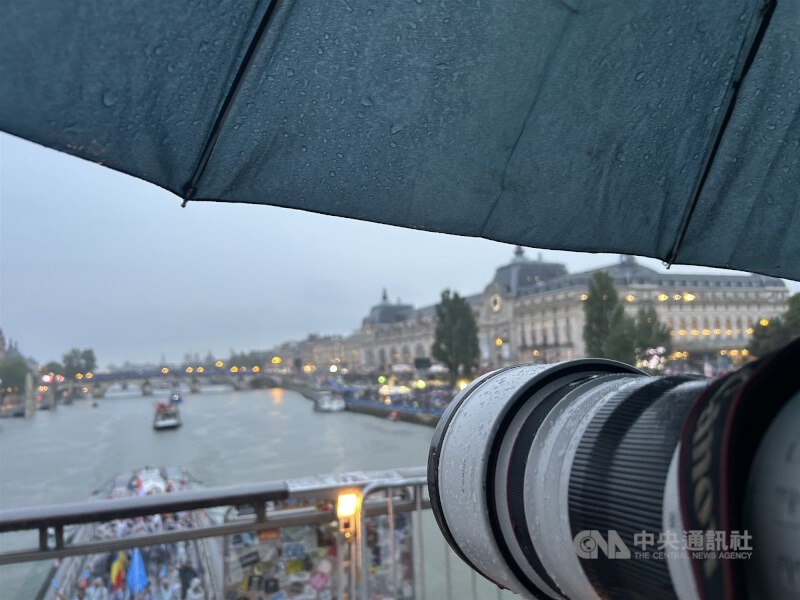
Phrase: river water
(228, 437)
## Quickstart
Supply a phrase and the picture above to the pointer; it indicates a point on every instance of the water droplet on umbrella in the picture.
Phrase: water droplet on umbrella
(109, 98)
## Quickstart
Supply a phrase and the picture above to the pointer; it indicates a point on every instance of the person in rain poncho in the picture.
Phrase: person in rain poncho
(173, 577)
(97, 591)
(195, 591)
(165, 591)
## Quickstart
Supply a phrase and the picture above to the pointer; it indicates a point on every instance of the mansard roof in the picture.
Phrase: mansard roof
(628, 272)
(522, 273)
(386, 312)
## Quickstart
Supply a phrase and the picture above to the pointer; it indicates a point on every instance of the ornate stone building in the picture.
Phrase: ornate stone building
(710, 317)
(391, 335)
(532, 311)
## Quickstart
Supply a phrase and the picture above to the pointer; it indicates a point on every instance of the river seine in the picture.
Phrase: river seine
(227, 438)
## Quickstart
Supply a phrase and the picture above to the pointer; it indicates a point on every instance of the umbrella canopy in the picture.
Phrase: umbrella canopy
(662, 129)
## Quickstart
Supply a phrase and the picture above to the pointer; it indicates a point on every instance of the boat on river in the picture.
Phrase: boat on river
(167, 416)
(327, 401)
(177, 562)
(301, 555)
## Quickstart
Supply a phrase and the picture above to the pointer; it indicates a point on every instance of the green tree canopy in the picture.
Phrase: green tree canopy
(246, 359)
(456, 337)
(607, 331)
(778, 332)
(12, 372)
(79, 361)
(53, 366)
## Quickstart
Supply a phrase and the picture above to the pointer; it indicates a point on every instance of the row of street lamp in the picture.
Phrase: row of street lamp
(254, 369)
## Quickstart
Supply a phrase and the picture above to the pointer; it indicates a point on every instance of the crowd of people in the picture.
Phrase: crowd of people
(428, 399)
(169, 571)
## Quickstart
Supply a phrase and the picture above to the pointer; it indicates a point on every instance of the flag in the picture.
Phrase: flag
(118, 571)
(137, 574)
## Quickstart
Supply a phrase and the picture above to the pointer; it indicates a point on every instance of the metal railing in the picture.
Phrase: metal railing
(386, 493)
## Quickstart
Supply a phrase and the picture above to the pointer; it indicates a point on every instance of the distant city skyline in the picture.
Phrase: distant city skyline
(92, 258)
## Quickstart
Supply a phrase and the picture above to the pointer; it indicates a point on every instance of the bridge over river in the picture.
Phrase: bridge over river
(146, 381)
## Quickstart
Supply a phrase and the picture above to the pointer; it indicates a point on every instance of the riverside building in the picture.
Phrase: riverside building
(532, 311)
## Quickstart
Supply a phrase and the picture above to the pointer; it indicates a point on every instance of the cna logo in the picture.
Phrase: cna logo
(587, 543)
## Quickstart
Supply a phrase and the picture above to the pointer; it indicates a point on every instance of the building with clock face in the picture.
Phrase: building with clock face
(532, 311)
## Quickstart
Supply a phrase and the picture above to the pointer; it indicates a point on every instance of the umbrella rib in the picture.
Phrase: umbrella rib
(765, 14)
(531, 107)
(230, 97)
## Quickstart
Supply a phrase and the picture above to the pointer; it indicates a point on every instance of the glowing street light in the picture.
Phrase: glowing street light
(346, 505)
(276, 360)
(218, 364)
(164, 370)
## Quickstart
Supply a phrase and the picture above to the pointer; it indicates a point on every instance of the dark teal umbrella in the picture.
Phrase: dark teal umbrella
(664, 129)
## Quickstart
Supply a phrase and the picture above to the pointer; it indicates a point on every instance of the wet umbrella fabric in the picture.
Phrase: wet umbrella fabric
(664, 129)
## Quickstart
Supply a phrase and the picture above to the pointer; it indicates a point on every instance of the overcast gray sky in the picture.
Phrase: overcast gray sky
(92, 258)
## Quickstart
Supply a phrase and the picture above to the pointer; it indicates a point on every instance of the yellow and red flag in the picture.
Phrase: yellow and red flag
(118, 571)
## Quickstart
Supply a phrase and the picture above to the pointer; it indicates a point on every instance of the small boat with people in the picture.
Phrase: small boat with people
(328, 401)
(300, 556)
(168, 570)
(167, 416)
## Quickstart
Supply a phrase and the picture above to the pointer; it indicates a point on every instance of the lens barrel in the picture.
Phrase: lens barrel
(547, 479)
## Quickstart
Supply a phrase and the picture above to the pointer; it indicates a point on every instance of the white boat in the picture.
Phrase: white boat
(329, 402)
(97, 570)
(167, 416)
